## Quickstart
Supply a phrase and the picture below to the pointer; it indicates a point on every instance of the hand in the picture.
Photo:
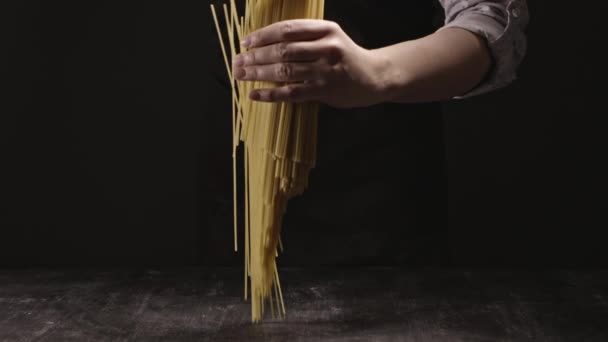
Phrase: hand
(312, 60)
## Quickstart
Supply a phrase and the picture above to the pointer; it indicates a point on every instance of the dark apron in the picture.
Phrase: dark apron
(378, 194)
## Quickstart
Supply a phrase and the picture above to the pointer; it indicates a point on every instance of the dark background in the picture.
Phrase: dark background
(115, 142)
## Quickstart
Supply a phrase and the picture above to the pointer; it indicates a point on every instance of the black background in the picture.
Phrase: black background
(116, 143)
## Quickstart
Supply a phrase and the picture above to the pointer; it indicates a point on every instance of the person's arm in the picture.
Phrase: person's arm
(437, 67)
(318, 62)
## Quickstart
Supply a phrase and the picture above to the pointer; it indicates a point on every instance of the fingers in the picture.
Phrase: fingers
(285, 52)
(296, 92)
(289, 30)
(280, 72)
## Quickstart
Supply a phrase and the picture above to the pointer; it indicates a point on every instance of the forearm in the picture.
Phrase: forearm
(315, 60)
(445, 64)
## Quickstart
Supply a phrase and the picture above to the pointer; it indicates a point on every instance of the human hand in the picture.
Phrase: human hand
(311, 60)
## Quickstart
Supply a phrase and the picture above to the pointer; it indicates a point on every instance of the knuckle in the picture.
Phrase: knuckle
(254, 38)
(333, 47)
(334, 26)
(286, 29)
(281, 51)
(334, 50)
(284, 72)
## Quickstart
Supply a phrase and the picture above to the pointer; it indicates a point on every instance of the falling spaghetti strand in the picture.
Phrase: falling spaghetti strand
(279, 149)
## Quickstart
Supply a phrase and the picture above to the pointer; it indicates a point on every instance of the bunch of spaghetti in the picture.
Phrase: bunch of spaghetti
(279, 150)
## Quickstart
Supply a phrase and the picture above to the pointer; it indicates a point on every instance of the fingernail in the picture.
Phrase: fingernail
(254, 95)
(239, 73)
(246, 42)
(238, 61)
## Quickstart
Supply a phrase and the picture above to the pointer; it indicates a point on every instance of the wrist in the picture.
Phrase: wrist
(388, 79)
(378, 70)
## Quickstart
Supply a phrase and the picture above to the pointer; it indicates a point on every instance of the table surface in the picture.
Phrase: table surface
(328, 304)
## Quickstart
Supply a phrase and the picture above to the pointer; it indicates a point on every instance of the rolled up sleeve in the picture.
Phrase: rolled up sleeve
(502, 23)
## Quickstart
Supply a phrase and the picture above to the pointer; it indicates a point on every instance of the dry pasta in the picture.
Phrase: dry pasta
(279, 148)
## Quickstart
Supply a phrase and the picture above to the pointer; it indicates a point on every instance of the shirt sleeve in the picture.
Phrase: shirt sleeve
(502, 23)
